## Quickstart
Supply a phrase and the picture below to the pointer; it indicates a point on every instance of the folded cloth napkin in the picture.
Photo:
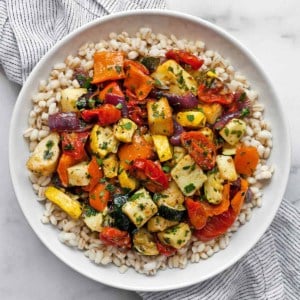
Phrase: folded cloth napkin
(29, 28)
(271, 270)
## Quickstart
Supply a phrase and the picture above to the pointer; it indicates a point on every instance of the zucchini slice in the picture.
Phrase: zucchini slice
(144, 242)
(172, 213)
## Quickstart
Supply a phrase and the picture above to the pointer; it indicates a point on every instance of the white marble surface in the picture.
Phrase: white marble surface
(270, 29)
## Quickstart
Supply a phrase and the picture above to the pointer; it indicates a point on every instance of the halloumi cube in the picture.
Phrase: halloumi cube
(188, 176)
(226, 167)
(103, 141)
(140, 207)
(44, 159)
(110, 165)
(69, 98)
(233, 131)
(78, 175)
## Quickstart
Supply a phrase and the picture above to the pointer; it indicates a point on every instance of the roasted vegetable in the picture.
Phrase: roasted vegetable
(158, 223)
(144, 242)
(44, 159)
(71, 206)
(233, 131)
(160, 117)
(140, 207)
(177, 236)
(69, 99)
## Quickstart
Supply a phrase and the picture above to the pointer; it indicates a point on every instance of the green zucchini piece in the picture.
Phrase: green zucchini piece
(176, 213)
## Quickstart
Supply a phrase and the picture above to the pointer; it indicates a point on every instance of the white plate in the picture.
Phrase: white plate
(183, 26)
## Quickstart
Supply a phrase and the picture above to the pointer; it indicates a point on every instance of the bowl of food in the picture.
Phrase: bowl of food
(140, 146)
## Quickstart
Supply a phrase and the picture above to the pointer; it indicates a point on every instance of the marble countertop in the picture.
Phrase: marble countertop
(271, 31)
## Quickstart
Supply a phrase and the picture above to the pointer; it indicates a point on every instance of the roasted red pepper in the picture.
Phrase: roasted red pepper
(105, 115)
(213, 95)
(73, 144)
(115, 237)
(216, 226)
(201, 149)
(196, 213)
(181, 56)
(165, 249)
(155, 180)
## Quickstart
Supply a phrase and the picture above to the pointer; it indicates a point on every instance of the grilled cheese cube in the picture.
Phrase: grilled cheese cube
(78, 175)
(124, 130)
(69, 98)
(177, 236)
(191, 119)
(233, 131)
(171, 196)
(110, 166)
(94, 222)
(158, 223)
(44, 159)
(103, 141)
(71, 206)
(226, 167)
(140, 207)
(173, 76)
(228, 149)
(188, 176)
(212, 111)
(160, 117)
(163, 147)
(208, 133)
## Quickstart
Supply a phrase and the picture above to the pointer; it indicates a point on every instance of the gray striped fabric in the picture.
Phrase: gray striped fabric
(29, 28)
(271, 270)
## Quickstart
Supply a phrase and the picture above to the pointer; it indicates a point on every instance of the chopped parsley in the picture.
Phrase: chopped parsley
(89, 211)
(127, 126)
(118, 69)
(189, 188)
(191, 118)
(48, 153)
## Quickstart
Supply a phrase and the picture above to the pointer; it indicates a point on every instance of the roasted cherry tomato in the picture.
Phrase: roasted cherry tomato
(216, 226)
(196, 212)
(165, 249)
(73, 144)
(105, 115)
(155, 180)
(137, 112)
(201, 149)
(115, 237)
(211, 95)
(181, 56)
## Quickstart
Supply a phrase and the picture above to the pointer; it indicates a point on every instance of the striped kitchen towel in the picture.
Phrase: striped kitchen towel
(271, 270)
(29, 28)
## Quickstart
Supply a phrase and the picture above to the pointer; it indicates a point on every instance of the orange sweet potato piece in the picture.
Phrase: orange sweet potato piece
(138, 83)
(108, 66)
(111, 88)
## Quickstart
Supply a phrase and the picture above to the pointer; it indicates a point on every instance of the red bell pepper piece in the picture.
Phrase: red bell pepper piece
(155, 180)
(211, 95)
(73, 144)
(105, 115)
(181, 56)
(115, 237)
